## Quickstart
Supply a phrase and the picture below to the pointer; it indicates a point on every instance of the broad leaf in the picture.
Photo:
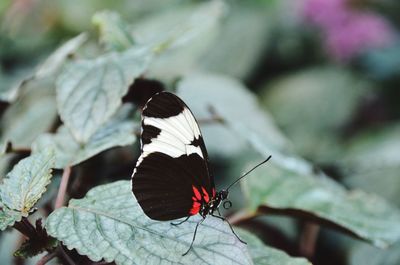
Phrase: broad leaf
(117, 132)
(10, 84)
(255, 25)
(32, 114)
(324, 99)
(289, 181)
(364, 254)
(89, 92)
(372, 162)
(245, 123)
(113, 31)
(8, 217)
(54, 62)
(264, 255)
(27, 181)
(109, 224)
(241, 112)
(179, 27)
(186, 32)
(321, 199)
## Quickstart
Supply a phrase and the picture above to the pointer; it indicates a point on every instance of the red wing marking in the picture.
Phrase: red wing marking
(195, 208)
(213, 193)
(205, 193)
(196, 193)
(198, 198)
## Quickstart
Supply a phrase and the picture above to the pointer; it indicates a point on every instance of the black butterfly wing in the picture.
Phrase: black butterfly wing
(171, 179)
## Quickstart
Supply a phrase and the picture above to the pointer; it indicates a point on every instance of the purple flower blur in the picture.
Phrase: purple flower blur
(348, 32)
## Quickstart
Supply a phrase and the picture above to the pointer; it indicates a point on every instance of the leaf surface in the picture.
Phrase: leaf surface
(321, 199)
(289, 182)
(68, 152)
(113, 31)
(33, 113)
(27, 181)
(89, 92)
(108, 223)
(54, 62)
(265, 255)
(180, 35)
(8, 217)
(241, 112)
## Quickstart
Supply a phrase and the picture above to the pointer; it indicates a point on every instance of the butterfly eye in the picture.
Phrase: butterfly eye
(227, 205)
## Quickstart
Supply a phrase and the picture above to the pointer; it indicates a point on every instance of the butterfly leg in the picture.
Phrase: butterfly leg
(219, 213)
(181, 222)
(194, 236)
(233, 231)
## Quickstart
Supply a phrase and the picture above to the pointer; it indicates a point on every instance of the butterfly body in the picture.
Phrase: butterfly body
(213, 205)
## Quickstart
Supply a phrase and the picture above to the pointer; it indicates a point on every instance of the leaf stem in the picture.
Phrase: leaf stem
(25, 228)
(240, 216)
(47, 258)
(63, 187)
(65, 255)
(308, 239)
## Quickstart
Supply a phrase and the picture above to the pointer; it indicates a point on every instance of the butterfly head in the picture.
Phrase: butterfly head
(222, 196)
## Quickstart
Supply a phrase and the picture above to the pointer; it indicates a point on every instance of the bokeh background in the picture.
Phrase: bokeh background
(327, 71)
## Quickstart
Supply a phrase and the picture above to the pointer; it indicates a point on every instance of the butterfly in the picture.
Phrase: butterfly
(172, 177)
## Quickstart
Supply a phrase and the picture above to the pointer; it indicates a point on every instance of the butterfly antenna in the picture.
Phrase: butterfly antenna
(248, 172)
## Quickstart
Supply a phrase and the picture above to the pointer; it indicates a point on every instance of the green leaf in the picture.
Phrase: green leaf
(363, 215)
(182, 35)
(108, 223)
(8, 217)
(10, 84)
(32, 114)
(117, 132)
(27, 181)
(89, 92)
(324, 98)
(373, 149)
(245, 123)
(242, 112)
(264, 255)
(368, 255)
(289, 181)
(54, 62)
(255, 25)
(371, 162)
(113, 31)
(179, 26)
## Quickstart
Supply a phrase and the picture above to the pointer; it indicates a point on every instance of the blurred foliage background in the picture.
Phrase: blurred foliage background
(326, 75)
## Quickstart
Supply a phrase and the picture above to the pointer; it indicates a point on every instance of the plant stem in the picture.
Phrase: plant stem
(65, 255)
(308, 239)
(63, 187)
(240, 216)
(47, 258)
(25, 228)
